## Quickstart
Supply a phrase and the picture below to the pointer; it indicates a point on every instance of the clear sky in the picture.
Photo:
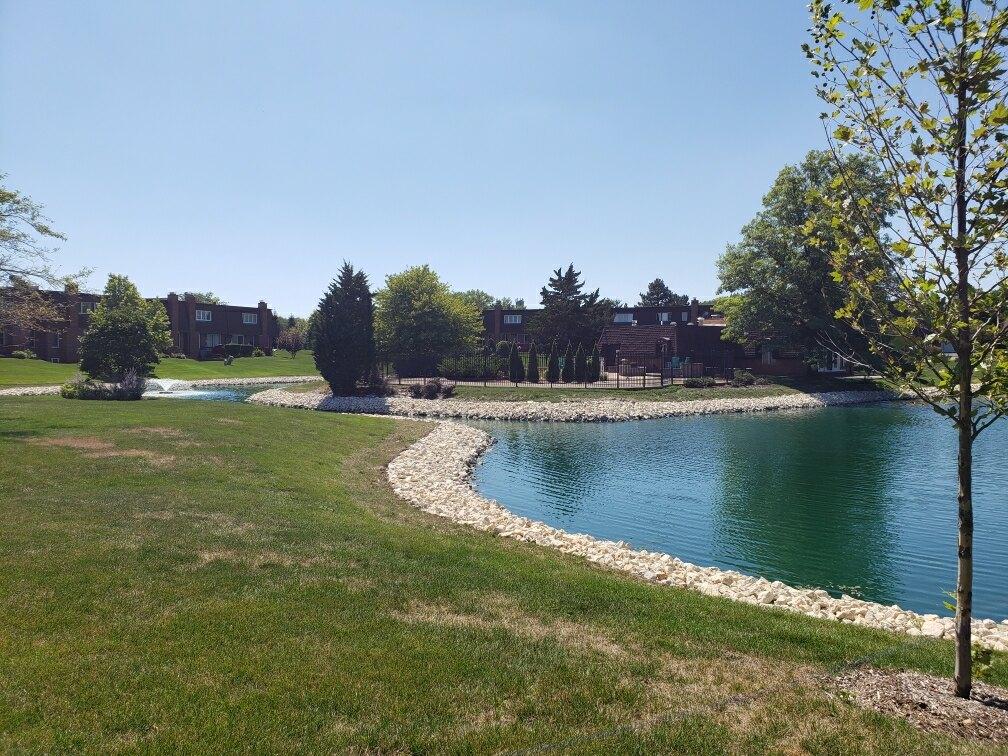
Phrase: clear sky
(249, 147)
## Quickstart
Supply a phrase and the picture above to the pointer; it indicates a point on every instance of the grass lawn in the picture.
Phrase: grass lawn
(216, 577)
(40, 373)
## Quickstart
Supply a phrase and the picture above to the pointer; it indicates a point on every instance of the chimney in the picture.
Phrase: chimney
(694, 310)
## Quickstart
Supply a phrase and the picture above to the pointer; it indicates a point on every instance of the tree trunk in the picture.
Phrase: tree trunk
(964, 578)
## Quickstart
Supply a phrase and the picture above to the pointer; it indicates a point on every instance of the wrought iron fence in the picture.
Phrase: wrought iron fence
(630, 370)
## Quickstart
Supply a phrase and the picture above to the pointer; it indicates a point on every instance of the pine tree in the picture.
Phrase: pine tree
(553, 365)
(594, 365)
(567, 374)
(580, 365)
(660, 295)
(532, 374)
(516, 370)
(343, 332)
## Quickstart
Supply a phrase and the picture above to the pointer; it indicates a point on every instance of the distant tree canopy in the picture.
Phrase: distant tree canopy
(419, 321)
(778, 280)
(482, 300)
(125, 333)
(569, 315)
(25, 234)
(202, 297)
(660, 295)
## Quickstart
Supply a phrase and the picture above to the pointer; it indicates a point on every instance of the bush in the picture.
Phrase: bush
(476, 368)
(580, 365)
(567, 373)
(431, 389)
(553, 365)
(130, 388)
(532, 372)
(699, 382)
(594, 366)
(236, 350)
(503, 349)
(257, 352)
(24, 354)
(379, 385)
(743, 378)
(516, 368)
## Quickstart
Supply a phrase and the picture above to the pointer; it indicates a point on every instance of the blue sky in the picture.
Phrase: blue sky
(248, 148)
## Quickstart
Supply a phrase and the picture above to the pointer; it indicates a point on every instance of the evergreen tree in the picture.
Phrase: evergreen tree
(516, 370)
(580, 365)
(594, 365)
(553, 365)
(125, 333)
(660, 295)
(532, 374)
(343, 332)
(567, 374)
(568, 314)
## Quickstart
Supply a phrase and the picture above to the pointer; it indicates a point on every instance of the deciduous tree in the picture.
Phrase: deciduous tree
(918, 87)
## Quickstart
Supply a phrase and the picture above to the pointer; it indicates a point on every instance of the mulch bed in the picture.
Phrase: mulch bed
(929, 703)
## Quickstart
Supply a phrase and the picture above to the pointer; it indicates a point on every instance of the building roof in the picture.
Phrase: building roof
(639, 338)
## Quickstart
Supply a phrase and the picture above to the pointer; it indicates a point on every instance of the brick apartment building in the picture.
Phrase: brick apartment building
(196, 327)
(679, 333)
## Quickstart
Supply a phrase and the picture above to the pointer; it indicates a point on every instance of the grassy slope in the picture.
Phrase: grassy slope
(38, 373)
(246, 579)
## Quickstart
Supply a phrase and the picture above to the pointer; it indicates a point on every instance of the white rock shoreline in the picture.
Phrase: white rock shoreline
(435, 475)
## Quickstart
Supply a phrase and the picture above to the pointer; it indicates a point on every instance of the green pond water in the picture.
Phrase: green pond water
(859, 500)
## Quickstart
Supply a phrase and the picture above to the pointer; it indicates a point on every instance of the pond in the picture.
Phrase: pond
(859, 500)
(167, 388)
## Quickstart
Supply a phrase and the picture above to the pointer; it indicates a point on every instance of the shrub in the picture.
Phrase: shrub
(567, 373)
(236, 350)
(257, 352)
(476, 368)
(516, 368)
(130, 388)
(580, 365)
(343, 331)
(594, 366)
(743, 378)
(503, 349)
(699, 382)
(125, 333)
(24, 354)
(379, 385)
(553, 365)
(532, 373)
(431, 389)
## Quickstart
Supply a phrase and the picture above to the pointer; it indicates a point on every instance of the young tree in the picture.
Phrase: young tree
(25, 235)
(568, 313)
(660, 295)
(532, 374)
(580, 365)
(291, 340)
(567, 373)
(779, 277)
(553, 365)
(516, 369)
(125, 333)
(918, 87)
(343, 332)
(419, 322)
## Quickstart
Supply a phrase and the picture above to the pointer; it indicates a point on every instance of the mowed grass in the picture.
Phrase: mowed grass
(41, 373)
(212, 577)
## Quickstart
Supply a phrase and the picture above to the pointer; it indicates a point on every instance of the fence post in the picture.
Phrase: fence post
(617, 369)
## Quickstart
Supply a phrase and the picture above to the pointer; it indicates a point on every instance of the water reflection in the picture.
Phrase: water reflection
(860, 500)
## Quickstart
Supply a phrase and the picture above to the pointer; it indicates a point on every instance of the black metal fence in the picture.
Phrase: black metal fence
(630, 370)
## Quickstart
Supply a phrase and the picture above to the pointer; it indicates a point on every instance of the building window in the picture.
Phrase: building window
(512, 319)
(57, 340)
(664, 317)
(203, 316)
(86, 307)
(623, 317)
(684, 317)
(250, 318)
(211, 339)
(241, 339)
(30, 343)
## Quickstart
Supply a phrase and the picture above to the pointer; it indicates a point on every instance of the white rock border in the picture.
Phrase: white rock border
(435, 475)
(579, 410)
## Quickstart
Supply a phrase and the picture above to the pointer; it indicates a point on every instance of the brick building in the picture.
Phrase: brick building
(196, 327)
